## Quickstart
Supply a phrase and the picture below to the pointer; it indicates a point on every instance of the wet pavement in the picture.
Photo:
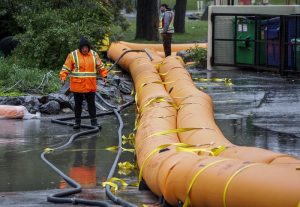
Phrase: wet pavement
(261, 109)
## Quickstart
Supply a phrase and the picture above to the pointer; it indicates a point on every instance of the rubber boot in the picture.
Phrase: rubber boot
(94, 122)
(77, 124)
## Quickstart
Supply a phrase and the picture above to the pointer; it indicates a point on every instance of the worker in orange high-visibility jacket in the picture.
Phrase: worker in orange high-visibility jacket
(82, 65)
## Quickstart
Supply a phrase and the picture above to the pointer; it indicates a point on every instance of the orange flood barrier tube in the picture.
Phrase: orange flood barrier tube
(190, 99)
(160, 48)
(195, 174)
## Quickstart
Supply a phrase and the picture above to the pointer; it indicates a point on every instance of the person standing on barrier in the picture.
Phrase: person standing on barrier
(82, 65)
(166, 27)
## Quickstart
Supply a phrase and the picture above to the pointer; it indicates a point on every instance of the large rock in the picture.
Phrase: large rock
(62, 99)
(52, 107)
(15, 101)
(31, 103)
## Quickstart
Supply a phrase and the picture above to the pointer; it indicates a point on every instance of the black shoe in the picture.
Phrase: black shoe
(77, 124)
(95, 123)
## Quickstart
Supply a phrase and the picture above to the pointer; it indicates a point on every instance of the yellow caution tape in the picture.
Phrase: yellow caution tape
(231, 178)
(129, 139)
(114, 186)
(187, 200)
(157, 149)
(132, 92)
(121, 181)
(112, 183)
(127, 150)
(134, 184)
(48, 150)
(126, 165)
(113, 148)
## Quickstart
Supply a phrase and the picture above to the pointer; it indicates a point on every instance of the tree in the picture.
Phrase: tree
(147, 20)
(179, 19)
(51, 29)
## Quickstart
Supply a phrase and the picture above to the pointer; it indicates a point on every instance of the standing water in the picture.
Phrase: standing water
(260, 109)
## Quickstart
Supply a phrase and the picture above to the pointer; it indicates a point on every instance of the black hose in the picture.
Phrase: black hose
(58, 197)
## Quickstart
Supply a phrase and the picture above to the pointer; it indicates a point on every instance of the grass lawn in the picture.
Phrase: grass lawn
(196, 31)
(192, 4)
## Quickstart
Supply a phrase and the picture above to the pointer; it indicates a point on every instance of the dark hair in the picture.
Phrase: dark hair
(84, 42)
(165, 5)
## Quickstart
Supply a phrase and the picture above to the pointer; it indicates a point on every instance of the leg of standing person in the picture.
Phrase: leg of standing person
(163, 36)
(90, 98)
(78, 98)
(168, 41)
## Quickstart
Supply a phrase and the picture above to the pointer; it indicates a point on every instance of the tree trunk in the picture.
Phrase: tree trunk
(147, 20)
(179, 20)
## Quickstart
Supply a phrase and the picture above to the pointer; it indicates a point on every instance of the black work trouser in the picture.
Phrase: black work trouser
(167, 40)
(90, 99)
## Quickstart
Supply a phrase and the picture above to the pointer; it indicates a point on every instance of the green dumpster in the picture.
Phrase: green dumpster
(245, 46)
(296, 51)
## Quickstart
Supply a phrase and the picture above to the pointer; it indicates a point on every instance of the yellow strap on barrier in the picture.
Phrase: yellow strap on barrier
(178, 130)
(157, 82)
(212, 151)
(132, 92)
(218, 150)
(187, 200)
(231, 178)
(194, 149)
(155, 151)
(163, 74)
(156, 100)
(48, 150)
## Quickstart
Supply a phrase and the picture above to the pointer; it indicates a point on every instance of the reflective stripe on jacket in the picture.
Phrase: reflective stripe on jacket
(82, 70)
(166, 22)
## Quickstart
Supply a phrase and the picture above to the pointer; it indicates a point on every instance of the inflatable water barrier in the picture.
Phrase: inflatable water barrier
(182, 154)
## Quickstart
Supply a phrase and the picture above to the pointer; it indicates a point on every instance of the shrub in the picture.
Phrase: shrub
(199, 55)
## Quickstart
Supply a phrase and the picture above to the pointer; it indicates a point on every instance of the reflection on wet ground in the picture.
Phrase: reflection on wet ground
(260, 109)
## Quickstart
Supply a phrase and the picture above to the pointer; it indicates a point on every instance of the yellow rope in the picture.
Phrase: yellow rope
(187, 200)
(231, 178)
(155, 151)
